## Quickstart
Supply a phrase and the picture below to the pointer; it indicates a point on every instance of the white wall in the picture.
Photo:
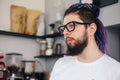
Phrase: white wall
(110, 15)
(5, 9)
(28, 47)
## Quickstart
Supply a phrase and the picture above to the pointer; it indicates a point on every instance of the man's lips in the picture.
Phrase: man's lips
(69, 39)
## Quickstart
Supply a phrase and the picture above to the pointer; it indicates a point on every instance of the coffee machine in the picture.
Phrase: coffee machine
(13, 63)
(28, 69)
(2, 66)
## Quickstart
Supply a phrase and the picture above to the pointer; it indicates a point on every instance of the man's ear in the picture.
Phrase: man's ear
(92, 29)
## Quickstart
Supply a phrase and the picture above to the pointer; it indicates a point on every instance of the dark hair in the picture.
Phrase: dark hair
(89, 14)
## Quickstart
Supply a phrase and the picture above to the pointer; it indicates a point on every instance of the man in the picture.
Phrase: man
(85, 37)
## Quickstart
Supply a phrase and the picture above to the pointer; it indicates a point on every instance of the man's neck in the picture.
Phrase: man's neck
(91, 53)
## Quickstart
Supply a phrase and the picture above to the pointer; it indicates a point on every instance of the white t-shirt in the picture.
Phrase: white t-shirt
(69, 68)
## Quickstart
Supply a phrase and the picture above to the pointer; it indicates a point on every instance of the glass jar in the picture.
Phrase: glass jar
(58, 48)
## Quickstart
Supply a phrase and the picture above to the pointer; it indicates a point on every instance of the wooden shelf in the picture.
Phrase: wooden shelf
(34, 37)
(29, 36)
(51, 56)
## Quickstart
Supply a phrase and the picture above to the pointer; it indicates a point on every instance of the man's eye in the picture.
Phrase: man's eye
(71, 26)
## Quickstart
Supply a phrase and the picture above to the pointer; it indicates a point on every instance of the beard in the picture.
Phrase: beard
(78, 46)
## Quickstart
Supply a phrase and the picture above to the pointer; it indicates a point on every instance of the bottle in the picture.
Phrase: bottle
(41, 26)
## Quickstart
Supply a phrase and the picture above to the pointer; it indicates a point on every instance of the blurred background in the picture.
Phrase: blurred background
(41, 46)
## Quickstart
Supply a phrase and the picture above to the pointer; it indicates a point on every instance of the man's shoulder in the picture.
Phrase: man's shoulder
(66, 60)
(113, 66)
(112, 62)
(63, 63)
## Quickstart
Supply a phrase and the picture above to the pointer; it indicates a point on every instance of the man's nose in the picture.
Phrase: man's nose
(65, 32)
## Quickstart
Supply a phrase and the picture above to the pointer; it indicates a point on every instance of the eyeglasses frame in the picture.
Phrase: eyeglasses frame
(65, 26)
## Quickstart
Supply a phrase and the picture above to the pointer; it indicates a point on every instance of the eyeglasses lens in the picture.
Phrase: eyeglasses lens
(70, 27)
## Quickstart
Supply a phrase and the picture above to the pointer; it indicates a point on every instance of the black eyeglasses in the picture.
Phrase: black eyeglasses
(70, 26)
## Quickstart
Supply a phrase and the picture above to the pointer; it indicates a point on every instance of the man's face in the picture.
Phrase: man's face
(76, 40)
